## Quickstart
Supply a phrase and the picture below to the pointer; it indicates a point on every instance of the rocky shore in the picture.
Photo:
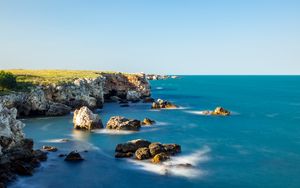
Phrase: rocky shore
(17, 156)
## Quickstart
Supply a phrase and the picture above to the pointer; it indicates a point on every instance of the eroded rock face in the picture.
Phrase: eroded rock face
(126, 86)
(84, 118)
(122, 123)
(159, 104)
(16, 152)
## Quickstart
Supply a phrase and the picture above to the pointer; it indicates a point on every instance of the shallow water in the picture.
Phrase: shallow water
(258, 146)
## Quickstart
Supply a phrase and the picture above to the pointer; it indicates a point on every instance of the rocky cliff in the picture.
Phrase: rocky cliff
(59, 99)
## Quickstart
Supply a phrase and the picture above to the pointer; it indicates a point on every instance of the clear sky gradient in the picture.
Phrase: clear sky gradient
(153, 36)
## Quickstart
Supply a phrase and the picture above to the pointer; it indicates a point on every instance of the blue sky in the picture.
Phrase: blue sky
(156, 36)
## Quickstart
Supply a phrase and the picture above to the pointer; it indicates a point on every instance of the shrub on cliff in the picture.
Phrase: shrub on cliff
(7, 80)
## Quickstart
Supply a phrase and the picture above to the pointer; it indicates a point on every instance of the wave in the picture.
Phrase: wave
(207, 112)
(183, 166)
(58, 140)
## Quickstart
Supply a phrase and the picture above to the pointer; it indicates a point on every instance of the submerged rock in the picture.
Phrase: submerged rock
(85, 119)
(220, 111)
(143, 153)
(147, 121)
(122, 123)
(162, 104)
(123, 155)
(74, 157)
(50, 148)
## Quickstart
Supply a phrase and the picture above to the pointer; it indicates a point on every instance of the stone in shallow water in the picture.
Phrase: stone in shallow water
(147, 121)
(122, 123)
(158, 158)
(220, 111)
(156, 148)
(162, 104)
(74, 157)
(84, 118)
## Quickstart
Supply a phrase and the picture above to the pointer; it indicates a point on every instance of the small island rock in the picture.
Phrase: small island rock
(220, 111)
(50, 148)
(162, 104)
(147, 121)
(122, 123)
(73, 156)
(85, 119)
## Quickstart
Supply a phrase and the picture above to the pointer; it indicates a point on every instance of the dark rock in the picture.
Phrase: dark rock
(73, 157)
(62, 155)
(143, 153)
(58, 109)
(172, 149)
(22, 168)
(156, 148)
(40, 155)
(132, 146)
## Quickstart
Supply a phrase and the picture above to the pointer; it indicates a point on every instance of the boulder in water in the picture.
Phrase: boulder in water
(156, 148)
(172, 149)
(147, 121)
(220, 111)
(50, 148)
(73, 157)
(85, 119)
(162, 104)
(122, 123)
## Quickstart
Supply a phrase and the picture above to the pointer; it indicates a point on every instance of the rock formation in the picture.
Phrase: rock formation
(122, 123)
(74, 157)
(84, 118)
(220, 111)
(59, 99)
(143, 150)
(162, 104)
(147, 121)
(16, 152)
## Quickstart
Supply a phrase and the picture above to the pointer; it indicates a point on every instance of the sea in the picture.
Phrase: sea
(258, 145)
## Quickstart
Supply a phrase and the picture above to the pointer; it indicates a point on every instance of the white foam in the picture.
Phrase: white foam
(175, 166)
(159, 88)
(113, 132)
(207, 112)
(58, 140)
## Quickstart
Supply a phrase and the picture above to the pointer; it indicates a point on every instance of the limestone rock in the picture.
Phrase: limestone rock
(122, 123)
(85, 119)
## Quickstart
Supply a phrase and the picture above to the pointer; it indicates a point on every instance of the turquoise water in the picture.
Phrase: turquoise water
(258, 146)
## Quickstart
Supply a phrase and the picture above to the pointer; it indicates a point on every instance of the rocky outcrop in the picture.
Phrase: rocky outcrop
(126, 86)
(74, 157)
(34, 103)
(84, 118)
(220, 111)
(143, 149)
(122, 123)
(16, 152)
(159, 104)
(147, 121)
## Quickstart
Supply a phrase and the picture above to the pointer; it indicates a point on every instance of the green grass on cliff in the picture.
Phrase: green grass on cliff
(44, 77)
